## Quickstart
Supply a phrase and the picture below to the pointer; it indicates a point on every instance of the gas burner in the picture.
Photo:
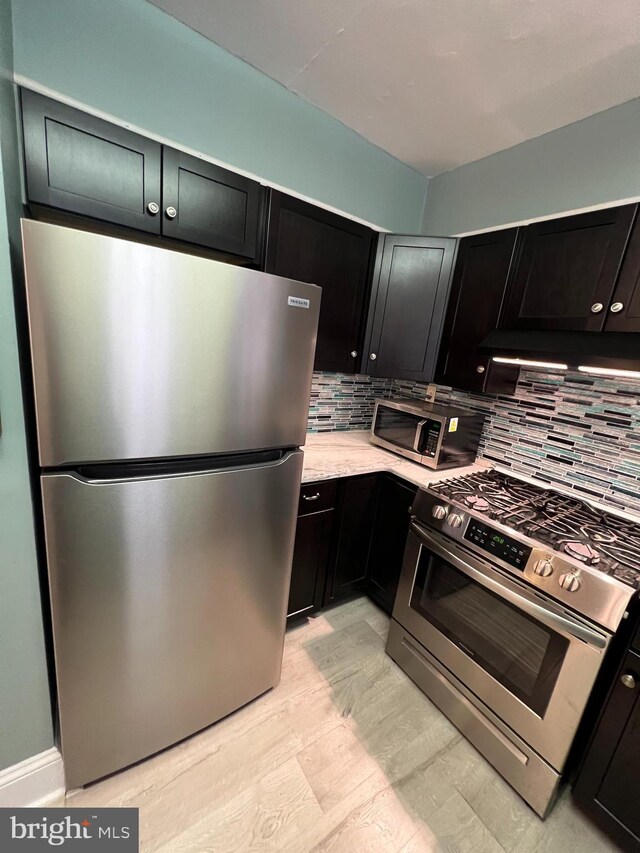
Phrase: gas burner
(581, 551)
(479, 504)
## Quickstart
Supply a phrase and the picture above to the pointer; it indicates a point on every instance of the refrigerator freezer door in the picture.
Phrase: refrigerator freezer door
(139, 352)
(169, 604)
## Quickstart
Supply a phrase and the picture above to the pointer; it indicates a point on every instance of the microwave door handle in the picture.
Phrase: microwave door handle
(416, 441)
(544, 615)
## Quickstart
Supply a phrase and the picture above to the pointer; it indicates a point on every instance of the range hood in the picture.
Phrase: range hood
(616, 351)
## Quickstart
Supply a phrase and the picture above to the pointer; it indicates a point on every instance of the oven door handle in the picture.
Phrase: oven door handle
(416, 440)
(543, 614)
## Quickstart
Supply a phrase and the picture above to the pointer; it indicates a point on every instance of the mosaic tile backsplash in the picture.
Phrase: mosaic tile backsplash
(574, 430)
(344, 401)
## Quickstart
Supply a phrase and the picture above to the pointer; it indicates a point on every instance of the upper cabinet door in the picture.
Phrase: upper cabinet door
(413, 277)
(477, 290)
(567, 271)
(210, 206)
(624, 310)
(82, 164)
(311, 244)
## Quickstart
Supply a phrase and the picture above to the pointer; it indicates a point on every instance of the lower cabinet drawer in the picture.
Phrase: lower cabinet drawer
(315, 497)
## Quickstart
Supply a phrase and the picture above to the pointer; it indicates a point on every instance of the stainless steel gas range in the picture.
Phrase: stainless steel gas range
(509, 596)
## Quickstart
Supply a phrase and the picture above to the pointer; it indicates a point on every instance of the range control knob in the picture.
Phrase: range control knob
(439, 511)
(544, 568)
(454, 520)
(570, 581)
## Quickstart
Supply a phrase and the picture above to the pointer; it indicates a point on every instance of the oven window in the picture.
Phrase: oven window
(513, 647)
(397, 427)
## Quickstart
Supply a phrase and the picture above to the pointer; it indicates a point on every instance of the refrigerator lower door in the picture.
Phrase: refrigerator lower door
(140, 353)
(169, 604)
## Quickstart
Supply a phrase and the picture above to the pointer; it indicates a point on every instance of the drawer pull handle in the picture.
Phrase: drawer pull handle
(311, 497)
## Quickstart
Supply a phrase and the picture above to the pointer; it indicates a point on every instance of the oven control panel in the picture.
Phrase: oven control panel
(496, 543)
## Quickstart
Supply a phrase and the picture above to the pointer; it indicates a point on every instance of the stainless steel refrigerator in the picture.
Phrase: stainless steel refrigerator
(171, 397)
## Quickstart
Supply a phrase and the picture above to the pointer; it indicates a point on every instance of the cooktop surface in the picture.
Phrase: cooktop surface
(565, 524)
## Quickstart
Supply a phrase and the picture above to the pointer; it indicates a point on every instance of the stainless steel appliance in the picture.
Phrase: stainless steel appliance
(171, 397)
(508, 599)
(433, 435)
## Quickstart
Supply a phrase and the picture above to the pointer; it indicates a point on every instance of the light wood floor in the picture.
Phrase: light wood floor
(346, 754)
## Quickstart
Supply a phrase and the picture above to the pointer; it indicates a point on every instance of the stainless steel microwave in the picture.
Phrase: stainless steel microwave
(433, 435)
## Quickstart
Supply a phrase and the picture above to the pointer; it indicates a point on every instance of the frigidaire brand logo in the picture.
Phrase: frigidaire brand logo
(298, 302)
(42, 829)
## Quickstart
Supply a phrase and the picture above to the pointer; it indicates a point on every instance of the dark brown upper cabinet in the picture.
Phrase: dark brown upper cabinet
(313, 245)
(624, 310)
(567, 271)
(210, 206)
(477, 291)
(82, 164)
(411, 285)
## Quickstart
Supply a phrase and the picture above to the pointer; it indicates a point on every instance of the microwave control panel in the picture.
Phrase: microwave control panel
(496, 543)
(431, 436)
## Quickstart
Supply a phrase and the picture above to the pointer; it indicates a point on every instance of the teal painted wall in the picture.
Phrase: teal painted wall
(25, 713)
(133, 61)
(593, 161)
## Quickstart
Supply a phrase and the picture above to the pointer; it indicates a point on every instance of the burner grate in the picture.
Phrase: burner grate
(565, 524)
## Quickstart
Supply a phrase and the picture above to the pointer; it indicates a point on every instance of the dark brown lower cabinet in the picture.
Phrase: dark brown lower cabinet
(608, 785)
(390, 528)
(313, 549)
(356, 506)
(311, 557)
(350, 536)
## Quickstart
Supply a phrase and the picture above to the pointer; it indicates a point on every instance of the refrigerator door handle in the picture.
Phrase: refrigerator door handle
(127, 474)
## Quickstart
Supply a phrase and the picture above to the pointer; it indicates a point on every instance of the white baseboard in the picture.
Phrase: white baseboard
(37, 781)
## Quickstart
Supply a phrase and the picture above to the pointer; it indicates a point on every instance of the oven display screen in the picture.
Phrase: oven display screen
(500, 546)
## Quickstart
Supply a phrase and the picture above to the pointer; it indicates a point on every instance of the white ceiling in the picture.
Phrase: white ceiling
(436, 83)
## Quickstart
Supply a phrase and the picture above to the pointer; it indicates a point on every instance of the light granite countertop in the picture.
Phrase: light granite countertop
(328, 455)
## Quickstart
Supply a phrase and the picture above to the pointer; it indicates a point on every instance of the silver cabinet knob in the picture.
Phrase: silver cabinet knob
(372, 356)
(454, 520)
(597, 307)
(480, 368)
(616, 308)
(439, 511)
(570, 582)
(628, 680)
(354, 353)
(171, 212)
(153, 208)
(544, 568)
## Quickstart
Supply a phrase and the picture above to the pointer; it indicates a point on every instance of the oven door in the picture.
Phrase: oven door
(525, 657)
